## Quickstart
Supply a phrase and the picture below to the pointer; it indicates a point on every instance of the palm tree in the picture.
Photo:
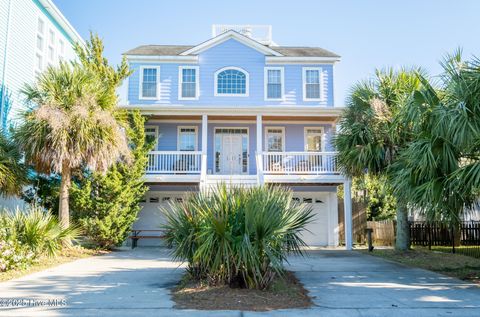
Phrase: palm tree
(439, 172)
(370, 136)
(12, 171)
(70, 126)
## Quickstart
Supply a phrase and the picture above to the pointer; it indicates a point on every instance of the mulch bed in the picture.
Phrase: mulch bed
(284, 293)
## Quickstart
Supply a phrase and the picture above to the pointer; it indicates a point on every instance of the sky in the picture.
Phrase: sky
(368, 34)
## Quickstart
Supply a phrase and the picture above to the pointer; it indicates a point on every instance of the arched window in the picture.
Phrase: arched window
(231, 81)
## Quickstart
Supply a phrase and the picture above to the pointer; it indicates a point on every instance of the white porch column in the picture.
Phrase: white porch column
(347, 206)
(203, 169)
(259, 156)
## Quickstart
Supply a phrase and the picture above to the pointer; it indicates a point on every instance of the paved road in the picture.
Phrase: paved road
(135, 283)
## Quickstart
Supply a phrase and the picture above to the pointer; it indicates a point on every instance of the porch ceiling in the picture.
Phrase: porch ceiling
(278, 118)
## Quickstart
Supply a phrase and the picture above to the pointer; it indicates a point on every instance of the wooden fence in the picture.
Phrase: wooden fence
(437, 236)
(383, 232)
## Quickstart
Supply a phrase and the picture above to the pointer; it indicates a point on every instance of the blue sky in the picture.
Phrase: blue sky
(368, 34)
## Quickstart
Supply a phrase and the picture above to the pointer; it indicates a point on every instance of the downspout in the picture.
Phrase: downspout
(4, 69)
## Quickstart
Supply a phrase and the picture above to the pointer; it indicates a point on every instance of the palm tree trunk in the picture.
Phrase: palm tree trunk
(63, 210)
(402, 241)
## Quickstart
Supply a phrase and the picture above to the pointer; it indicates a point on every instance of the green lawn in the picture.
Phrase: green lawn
(455, 265)
(44, 263)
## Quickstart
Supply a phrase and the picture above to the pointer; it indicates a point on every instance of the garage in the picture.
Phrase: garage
(151, 218)
(323, 231)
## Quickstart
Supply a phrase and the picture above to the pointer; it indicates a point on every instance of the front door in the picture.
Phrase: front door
(231, 151)
(231, 158)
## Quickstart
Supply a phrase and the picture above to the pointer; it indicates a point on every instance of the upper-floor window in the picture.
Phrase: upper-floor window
(61, 49)
(40, 44)
(149, 82)
(188, 83)
(312, 84)
(231, 81)
(187, 138)
(51, 45)
(274, 83)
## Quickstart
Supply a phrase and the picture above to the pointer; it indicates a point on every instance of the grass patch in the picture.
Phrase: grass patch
(284, 293)
(455, 265)
(45, 262)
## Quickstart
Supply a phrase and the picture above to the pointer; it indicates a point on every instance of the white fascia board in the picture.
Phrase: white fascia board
(62, 21)
(313, 111)
(229, 35)
(163, 59)
(300, 60)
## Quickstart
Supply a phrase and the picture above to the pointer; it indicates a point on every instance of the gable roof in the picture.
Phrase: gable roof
(185, 50)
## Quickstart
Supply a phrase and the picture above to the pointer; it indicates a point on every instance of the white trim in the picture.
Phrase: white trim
(248, 149)
(62, 21)
(304, 83)
(149, 126)
(266, 136)
(322, 135)
(163, 59)
(247, 82)
(229, 35)
(300, 60)
(197, 82)
(187, 127)
(235, 110)
(140, 83)
(265, 83)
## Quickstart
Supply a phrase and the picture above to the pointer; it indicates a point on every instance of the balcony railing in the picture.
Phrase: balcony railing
(174, 162)
(291, 163)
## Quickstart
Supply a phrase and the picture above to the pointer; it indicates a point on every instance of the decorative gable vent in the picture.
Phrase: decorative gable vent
(259, 33)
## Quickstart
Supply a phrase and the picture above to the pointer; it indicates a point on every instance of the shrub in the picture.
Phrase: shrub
(237, 236)
(37, 230)
(13, 255)
(106, 205)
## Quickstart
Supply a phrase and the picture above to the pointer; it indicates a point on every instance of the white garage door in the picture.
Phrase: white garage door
(321, 227)
(151, 218)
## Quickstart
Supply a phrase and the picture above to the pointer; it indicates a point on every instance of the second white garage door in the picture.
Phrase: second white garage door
(323, 230)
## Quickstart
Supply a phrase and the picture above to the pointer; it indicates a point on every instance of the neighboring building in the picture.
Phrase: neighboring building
(33, 35)
(239, 109)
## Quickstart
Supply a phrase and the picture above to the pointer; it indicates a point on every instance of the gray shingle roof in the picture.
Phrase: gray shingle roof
(172, 50)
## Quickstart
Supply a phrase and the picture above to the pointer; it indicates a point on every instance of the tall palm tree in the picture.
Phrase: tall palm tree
(370, 136)
(439, 172)
(12, 171)
(70, 126)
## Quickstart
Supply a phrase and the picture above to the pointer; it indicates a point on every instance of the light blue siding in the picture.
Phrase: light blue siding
(231, 53)
(294, 138)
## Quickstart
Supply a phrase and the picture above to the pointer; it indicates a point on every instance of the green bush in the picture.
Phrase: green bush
(13, 255)
(237, 236)
(37, 230)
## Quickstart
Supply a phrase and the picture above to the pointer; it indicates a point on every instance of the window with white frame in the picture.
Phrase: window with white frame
(40, 46)
(151, 133)
(51, 45)
(231, 81)
(275, 139)
(188, 83)
(149, 82)
(312, 83)
(274, 83)
(314, 139)
(61, 49)
(187, 139)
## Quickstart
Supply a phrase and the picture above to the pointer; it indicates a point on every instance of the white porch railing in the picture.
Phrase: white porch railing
(174, 162)
(291, 163)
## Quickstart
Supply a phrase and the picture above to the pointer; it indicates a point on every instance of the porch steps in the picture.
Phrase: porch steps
(231, 180)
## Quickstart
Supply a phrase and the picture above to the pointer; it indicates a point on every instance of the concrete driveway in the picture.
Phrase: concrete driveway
(135, 283)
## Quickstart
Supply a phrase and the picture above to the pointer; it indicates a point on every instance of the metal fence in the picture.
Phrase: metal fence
(464, 239)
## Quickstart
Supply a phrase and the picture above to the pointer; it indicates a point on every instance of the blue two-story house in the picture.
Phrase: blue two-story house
(240, 109)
